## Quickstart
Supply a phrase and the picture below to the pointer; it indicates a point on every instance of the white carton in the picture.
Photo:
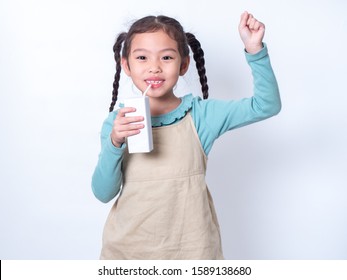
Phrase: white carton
(143, 142)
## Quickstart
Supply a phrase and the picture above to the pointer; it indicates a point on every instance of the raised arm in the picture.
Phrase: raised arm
(215, 117)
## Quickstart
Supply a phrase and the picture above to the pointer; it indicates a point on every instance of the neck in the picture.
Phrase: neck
(164, 105)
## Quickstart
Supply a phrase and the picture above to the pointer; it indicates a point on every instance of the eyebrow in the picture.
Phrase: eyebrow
(163, 50)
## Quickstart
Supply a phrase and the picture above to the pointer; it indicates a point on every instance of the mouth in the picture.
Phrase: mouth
(154, 83)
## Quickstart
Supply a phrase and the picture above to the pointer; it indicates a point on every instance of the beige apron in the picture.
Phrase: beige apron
(165, 210)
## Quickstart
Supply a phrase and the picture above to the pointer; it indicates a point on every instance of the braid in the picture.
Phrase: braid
(116, 49)
(198, 55)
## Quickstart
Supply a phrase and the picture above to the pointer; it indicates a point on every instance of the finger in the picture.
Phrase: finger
(243, 20)
(261, 26)
(130, 133)
(119, 138)
(256, 25)
(127, 120)
(130, 127)
(126, 133)
(121, 117)
(124, 110)
(250, 19)
(253, 24)
(119, 133)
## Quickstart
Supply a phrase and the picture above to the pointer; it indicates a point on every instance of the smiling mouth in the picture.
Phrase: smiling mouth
(153, 82)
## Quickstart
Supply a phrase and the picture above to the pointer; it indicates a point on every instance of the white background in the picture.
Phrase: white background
(279, 186)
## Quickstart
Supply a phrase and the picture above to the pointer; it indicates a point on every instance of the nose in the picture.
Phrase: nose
(155, 68)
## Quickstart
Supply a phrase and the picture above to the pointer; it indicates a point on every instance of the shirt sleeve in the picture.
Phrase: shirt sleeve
(107, 176)
(214, 117)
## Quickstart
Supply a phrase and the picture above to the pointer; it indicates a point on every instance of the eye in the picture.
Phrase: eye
(141, 57)
(167, 57)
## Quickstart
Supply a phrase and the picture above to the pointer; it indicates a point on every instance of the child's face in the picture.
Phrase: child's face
(154, 59)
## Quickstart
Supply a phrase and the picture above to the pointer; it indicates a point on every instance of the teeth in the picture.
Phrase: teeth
(154, 82)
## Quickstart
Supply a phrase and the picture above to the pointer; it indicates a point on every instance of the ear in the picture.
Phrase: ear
(184, 65)
(125, 66)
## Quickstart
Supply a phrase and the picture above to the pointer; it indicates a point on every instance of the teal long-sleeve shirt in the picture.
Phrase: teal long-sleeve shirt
(211, 117)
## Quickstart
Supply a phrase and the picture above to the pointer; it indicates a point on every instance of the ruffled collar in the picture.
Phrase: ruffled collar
(174, 115)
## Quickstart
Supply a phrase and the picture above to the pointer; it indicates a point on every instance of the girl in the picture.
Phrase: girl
(164, 209)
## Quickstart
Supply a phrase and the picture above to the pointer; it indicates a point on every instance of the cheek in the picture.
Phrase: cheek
(134, 70)
(175, 69)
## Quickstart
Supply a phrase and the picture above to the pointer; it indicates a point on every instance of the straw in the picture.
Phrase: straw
(147, 89)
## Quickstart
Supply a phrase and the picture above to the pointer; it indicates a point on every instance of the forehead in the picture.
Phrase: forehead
(153, 41)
